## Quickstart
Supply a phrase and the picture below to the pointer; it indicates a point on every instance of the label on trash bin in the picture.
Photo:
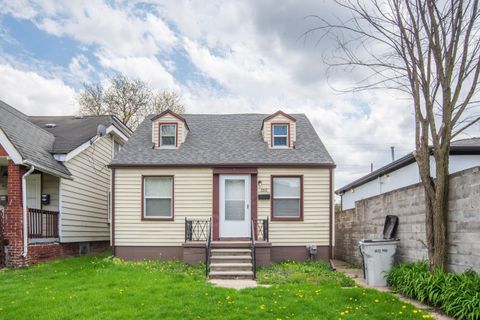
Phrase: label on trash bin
(380, 250)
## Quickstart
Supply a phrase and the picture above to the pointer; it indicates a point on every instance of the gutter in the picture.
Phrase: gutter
(24, 204)
(47, 170)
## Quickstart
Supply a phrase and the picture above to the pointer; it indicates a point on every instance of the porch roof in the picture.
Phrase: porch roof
(32, 142)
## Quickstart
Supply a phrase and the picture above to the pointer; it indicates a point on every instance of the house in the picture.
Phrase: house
(54, 184)
(464, 154)
(223, 184)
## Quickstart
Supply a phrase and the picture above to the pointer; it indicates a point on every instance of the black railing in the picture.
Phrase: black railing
(207, 249)
(260, 229)
(197, 230)
(254, 255)
(42, 224)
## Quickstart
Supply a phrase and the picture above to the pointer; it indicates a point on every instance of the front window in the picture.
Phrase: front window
(280, 135)
(168, 135)
(287, 197)
(158, 197)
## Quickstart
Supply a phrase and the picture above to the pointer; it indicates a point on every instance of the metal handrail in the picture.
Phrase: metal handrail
(197, 229)
(42, 223)
(207, 249)
(261, 229)
(254, 256)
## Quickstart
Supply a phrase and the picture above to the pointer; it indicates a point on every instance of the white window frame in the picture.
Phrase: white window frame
(174, 145)
(286, 136)
(145, 197)
(299, 198)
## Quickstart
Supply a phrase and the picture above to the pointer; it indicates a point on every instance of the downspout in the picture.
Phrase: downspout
(24, 203)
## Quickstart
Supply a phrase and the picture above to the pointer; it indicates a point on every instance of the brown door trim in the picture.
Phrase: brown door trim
(216, 199)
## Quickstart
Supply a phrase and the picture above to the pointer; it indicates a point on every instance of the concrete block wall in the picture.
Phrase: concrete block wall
(366, 221)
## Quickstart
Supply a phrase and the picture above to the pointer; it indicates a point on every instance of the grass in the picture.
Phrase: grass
(95, 287)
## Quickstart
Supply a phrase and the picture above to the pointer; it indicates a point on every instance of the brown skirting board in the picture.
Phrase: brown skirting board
(195, 253)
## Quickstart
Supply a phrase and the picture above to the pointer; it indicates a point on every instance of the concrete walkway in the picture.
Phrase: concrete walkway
(233, 283)
(357, 275)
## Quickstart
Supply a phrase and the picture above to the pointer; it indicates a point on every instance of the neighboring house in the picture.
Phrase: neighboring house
(464, 154)
(180, 176)
(54, 184)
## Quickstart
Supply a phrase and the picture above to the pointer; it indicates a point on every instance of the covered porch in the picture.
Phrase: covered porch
(29, 211)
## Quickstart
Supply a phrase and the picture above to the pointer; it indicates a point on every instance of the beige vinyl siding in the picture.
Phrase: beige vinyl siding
(182, 130)
(84, 207)
(192, 199)
(51, 186)
(267, 129)
(314, 229)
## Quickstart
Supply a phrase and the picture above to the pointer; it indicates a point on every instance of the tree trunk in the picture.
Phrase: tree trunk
(436, 213)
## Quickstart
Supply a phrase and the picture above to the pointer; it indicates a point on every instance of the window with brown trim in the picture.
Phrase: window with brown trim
(280, 134)
(287, 197)
(157, 197)
(168, 135)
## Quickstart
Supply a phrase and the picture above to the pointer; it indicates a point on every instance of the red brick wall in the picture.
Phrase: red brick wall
(13, 228)
(48, 251)
(3, 153)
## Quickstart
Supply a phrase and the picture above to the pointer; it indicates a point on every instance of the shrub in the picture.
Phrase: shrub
(458, 295)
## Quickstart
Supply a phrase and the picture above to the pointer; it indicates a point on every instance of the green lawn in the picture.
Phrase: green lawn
(95, 287)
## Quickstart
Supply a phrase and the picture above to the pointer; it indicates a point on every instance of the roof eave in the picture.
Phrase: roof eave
(223, 165)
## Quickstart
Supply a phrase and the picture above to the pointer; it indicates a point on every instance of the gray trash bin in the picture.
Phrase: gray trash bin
(378, 256)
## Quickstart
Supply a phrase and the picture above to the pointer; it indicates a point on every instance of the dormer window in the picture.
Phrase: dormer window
(168, 135)
(280, 133)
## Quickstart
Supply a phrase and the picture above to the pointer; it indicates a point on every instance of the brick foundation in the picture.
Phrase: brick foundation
(47, 251)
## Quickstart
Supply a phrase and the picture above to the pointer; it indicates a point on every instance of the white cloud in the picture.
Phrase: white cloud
(250, 48)
(36, 95)
(148, 69)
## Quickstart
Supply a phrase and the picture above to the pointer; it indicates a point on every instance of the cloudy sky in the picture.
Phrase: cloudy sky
(222, 57)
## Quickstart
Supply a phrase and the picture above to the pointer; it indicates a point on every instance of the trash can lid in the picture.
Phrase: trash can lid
(377, 240)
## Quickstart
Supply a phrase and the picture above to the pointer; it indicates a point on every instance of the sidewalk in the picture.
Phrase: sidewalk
(357, 275)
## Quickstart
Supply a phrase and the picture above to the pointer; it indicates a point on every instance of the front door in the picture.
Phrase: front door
(235, 211)
(34, 189)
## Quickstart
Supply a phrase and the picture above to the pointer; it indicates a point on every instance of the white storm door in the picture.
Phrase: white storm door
(34, 188)
(235, 207)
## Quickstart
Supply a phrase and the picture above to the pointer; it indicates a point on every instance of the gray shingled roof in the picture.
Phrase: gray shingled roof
(32, 142)
(71, 132)
(224, 139)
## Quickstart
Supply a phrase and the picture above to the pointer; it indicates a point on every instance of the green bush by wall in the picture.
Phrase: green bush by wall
(458, 295)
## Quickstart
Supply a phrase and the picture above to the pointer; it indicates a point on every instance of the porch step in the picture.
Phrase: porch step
(231, 244)
(231, 274)
(231, 259)
(231, 252)
(233, 267)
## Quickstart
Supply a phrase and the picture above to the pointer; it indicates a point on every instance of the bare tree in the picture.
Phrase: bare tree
(91, 100)
(128, 99)
(167, 100)
(431, 50)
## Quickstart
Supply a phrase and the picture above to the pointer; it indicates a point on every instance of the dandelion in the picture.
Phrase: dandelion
(376, 300)
(404, 307)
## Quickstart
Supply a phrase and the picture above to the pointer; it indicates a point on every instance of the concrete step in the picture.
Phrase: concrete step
(231, 275)
(231, 259)
(231, 244)
(231, 267)
(230, 252)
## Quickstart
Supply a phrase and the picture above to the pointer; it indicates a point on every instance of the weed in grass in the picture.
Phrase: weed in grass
(95, 287)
